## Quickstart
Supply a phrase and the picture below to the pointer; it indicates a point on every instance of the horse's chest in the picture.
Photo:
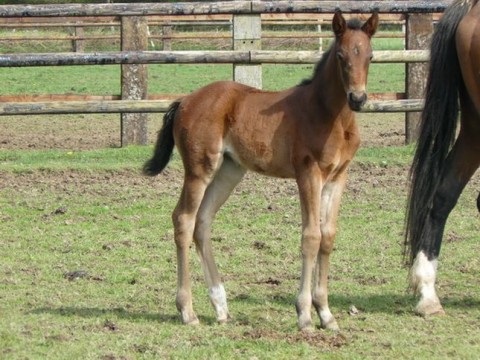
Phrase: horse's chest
(335, 153)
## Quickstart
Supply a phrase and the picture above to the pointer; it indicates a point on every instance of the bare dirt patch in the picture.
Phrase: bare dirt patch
(95, 131)
(316, 339)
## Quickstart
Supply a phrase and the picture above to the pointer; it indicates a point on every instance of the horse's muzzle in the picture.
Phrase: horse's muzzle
(356, 100)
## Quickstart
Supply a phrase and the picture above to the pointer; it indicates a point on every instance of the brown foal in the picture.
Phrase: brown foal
(307, 132)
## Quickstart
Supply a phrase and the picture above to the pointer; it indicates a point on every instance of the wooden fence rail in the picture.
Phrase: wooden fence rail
(189, 57)
(152, 106)
(168, 28)
(222, 7)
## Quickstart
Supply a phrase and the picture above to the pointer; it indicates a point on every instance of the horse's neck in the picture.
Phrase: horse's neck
(327, 87)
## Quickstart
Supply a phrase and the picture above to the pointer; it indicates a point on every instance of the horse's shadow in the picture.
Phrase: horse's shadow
(387, 303)
(390, 304)
(89, 312)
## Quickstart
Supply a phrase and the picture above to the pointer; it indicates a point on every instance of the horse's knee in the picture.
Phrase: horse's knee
(183, 227)
(328, 237)
(311, 239)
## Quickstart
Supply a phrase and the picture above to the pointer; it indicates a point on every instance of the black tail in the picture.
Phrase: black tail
(437, 128)
(164, 146)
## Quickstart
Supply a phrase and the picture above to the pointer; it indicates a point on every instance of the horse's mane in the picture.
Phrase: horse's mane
(353, 24)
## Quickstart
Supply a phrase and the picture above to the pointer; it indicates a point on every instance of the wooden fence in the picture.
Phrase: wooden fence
(246, 55)
(164, 30)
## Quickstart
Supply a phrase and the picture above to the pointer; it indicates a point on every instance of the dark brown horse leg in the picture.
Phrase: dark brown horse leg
(310, 187)
(462, 163)
(331, 195)
(226, 178)
(478, 202)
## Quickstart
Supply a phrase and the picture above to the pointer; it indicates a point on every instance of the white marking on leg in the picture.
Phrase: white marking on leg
(423, 276)
(218, 297)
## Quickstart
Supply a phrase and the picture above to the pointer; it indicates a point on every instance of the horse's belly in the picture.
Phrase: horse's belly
(260, 156)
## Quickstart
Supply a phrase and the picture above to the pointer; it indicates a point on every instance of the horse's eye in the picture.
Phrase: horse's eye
(340, 56)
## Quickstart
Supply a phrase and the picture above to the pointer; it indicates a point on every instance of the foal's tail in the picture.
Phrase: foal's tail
(437, 128)
(165, 143)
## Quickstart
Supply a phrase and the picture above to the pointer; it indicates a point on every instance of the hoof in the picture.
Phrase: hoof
(307, 329)
(305, 325)
(224, 320)
(193, 322)
(190, 319)
(429, 308)
(331, 325)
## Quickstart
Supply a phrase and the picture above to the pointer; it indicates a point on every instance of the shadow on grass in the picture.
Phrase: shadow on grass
(388, 303)
(121, 313)
(383, 303)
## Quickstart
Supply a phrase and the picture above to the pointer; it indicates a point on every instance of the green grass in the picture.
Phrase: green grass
(92, 211)
(170, 79)
(51, 160)
(178, 78)
(19, 161)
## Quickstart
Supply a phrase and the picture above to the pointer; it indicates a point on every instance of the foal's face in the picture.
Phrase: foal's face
(354, 53)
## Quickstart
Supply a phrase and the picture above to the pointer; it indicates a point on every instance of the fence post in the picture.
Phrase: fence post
(134, 35)
(419, 28)
(247, 33)
(320, 38)
(78, 45)
(166, 40)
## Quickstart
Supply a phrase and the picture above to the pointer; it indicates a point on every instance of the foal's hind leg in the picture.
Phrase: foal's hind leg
(226, 178)
(184, 224)
(331, 194)
(197, 177)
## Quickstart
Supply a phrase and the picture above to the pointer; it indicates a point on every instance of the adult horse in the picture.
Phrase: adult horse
(440, 172)
(307, 132)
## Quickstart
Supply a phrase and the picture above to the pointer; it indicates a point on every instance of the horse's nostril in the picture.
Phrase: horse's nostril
(357, 97)
(356, 100)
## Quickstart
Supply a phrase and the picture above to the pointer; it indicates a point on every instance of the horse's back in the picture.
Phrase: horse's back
(218, 96)
(210, 105)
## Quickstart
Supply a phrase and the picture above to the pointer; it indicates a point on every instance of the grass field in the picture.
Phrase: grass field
(178, 79)
(88, 265)
(87, 259)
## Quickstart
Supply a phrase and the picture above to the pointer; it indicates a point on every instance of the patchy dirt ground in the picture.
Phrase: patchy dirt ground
(83, 132)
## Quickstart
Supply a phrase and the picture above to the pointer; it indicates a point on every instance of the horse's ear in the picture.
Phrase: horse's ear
(370, 27)
(339, 24)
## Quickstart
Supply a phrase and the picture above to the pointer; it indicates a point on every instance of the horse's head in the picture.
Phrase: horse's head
(354, 52)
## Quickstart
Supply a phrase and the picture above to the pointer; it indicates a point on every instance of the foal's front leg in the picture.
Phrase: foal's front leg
(331, 194)
(309, 183)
